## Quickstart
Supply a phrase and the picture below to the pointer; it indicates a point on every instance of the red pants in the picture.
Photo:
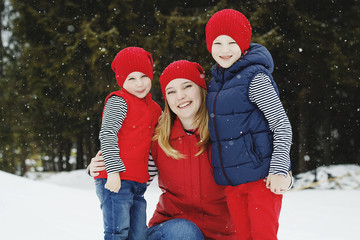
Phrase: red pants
(254, 210)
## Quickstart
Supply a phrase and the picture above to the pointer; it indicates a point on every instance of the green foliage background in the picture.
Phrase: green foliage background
(55, 70)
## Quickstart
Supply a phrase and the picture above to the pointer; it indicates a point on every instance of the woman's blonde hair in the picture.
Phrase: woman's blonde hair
(163, 129)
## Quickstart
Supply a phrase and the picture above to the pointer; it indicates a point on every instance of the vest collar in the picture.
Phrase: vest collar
(257, 54)
(178, 130)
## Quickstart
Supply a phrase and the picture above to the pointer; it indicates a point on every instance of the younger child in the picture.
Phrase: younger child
(250, 132)
(129, 119)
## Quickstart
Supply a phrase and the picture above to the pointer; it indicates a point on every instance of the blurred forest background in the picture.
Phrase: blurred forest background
(55, 70)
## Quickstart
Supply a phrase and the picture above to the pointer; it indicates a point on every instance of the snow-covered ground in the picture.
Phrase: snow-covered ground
(64, 206)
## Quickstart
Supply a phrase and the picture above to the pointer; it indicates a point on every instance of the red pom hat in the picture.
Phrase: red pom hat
(132, 59)
(229, 22)
(183, 69)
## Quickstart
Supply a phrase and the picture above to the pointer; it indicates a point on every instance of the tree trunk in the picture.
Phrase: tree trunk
(45, 164)
(2, 6)
(96, 135)
(61, 153)
(79, 152)
(327, 142)
(303, 118)
(68, 146)
(52, 160)
(88, 146)
(23, 156)
(5, 164)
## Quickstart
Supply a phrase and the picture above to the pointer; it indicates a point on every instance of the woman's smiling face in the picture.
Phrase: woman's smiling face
(184, 99)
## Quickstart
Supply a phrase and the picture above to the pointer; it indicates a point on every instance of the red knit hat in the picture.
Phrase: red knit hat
(229, 22)
(132, 59)
(183, 69)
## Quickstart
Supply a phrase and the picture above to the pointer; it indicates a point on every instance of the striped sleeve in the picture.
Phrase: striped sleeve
(114, 115)
(262, 93)
(153, 171)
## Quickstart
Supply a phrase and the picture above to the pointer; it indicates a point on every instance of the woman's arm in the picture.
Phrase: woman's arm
(96, 165)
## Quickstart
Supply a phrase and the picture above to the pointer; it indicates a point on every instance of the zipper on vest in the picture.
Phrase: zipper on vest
(217, 134)
(152, 115)
(148, 104)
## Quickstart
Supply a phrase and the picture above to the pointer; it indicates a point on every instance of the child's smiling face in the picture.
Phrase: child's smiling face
(225, 51)
(138, 84)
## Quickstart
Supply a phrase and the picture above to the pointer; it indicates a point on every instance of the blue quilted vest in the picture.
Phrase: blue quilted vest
(242, 142)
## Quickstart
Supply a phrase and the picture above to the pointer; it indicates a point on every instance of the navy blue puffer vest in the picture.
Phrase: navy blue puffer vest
(242, 142)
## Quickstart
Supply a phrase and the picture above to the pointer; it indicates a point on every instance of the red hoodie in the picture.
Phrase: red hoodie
(134, 136)
(189, 189)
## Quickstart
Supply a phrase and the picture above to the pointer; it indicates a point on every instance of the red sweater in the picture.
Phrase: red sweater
(189, 189)
(134, 136)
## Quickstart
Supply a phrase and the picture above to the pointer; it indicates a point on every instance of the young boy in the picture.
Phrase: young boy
(129, 119)
(250, 132)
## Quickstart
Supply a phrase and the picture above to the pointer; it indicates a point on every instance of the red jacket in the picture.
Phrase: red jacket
(189, 189)
(134, 136)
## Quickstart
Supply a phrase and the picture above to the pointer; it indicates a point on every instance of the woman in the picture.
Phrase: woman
(192, 205)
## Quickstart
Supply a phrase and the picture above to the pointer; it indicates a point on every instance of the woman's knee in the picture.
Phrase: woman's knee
(175, 229)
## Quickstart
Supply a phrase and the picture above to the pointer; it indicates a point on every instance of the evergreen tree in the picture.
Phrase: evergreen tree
(57, 71)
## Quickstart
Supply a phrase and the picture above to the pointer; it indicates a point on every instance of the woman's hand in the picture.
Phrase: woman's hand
(96, 165)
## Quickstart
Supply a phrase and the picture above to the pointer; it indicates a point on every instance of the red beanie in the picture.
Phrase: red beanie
(132, 59)
(183, 69)
(229, 22)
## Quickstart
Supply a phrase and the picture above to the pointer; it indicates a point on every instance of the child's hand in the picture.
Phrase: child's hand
(278, 184)
(113, 183)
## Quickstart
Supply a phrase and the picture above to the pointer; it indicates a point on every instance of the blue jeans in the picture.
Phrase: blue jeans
(175, 229)
(124, 213)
